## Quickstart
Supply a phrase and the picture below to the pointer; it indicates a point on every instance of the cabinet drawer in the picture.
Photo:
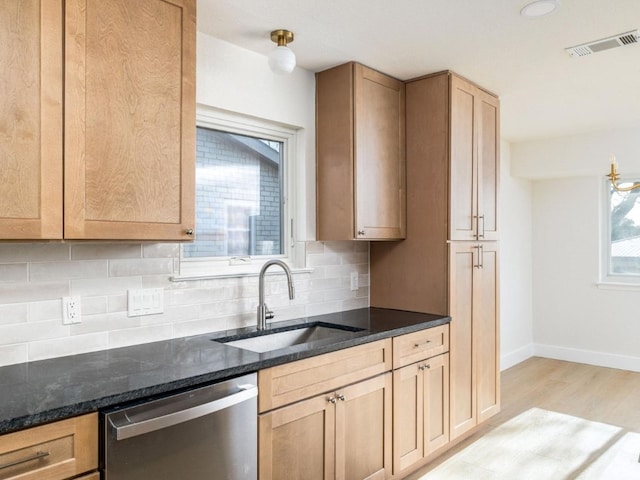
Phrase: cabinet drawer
(417, 346)
(55, 451)
(302, 379)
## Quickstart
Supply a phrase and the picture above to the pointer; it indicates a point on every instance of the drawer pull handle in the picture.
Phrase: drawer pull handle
(25, 460)
(427, 342)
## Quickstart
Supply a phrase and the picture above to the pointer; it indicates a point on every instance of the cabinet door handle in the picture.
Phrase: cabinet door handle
(360, 232)
(189, 231)
(479, 255)
(36, 456)
(341, 398)
(331, 400)
(417, 345)
(480, 235)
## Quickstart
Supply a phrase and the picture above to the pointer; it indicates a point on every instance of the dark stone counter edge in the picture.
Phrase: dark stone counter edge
(161, 389)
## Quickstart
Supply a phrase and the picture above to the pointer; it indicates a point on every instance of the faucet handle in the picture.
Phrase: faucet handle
(268, 314)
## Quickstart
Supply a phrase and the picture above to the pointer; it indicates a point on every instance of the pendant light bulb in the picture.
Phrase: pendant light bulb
(281, 59)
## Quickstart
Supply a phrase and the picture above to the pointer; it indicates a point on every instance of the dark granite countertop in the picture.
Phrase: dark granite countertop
(38, 392)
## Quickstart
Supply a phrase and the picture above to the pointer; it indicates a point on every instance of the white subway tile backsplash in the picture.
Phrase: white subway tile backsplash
(20, 292)
(104, 323)
(14, 272)
(107, 251)
(50, 310)
(161, 250)
(68, 270)
(14, 313)
(10, 354)
(32, 331)
(135, 336)
(33, 252)
(143, 266)
(67, 346)
(37, 276)
(104, 286)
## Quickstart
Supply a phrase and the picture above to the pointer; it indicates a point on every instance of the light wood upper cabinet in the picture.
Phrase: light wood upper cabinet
(474, 132)
(129, 119)
(360, 164)
(474, 334)
(31, 119)
(128, 158)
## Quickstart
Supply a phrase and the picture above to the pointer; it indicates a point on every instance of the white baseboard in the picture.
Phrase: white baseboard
(600, 359)
(513, 358)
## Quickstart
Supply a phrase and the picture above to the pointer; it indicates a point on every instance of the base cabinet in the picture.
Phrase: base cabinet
(420, 411)
(475, 378)
(56, 451)
(344, 434)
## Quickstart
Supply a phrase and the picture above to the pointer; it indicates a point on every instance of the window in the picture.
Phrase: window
(244, 193)
(621, 252)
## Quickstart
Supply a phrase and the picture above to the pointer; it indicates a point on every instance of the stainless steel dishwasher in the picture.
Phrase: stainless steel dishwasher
(206, 433)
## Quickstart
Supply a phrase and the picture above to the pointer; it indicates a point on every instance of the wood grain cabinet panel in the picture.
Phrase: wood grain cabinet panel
(128, 157)
(31, 119)
(129, 119)
(305, 378)
(343, 435)
(474, 134)
(360, 162)
(56, 451)
(475, 370)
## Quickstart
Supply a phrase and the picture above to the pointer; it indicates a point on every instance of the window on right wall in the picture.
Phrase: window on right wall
(622, 236)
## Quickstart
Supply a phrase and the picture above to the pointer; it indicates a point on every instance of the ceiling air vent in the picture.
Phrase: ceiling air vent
(596, 46)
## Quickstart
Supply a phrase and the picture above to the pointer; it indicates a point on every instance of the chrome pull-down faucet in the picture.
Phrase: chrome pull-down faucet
(263, 311)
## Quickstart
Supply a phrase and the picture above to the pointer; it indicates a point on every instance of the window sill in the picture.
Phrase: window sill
(210, 276)
(604, 285)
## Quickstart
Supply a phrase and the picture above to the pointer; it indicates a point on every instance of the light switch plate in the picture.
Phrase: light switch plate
(145, 301)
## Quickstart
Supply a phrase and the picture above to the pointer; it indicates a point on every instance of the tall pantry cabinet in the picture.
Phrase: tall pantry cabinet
(448, 263)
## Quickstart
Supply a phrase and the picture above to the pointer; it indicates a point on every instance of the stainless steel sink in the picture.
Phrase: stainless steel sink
(267, 342)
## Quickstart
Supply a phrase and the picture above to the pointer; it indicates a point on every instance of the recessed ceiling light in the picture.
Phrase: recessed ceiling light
(539, 8)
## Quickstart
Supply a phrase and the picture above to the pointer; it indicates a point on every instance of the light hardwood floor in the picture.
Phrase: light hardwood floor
(593, 393)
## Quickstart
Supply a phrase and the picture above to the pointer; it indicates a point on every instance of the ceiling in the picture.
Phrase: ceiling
(544, 92)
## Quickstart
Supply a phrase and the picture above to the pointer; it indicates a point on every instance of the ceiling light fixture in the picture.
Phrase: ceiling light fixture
(281, 59)
(539, 8)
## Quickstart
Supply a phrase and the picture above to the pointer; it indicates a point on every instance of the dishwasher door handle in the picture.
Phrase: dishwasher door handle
(157, 423)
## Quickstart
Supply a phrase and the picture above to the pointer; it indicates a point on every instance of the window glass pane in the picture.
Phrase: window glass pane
(239, 201)
(625, 232)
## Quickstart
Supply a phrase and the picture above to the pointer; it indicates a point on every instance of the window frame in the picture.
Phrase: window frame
(231, 122)
(607, 279)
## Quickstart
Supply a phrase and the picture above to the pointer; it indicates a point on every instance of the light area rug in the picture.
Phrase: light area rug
(543, 445)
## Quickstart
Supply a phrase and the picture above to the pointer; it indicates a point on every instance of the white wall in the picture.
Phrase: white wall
(516, 310)
(574, 319)
(238, 80)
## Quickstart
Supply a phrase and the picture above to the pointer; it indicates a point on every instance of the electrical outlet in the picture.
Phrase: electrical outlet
(71, 311)
(354, 281)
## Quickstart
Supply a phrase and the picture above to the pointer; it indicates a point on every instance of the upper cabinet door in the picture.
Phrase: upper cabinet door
(360, 162)
(474, 162)
(129, 119)
(31, 119)
(488, 126)
(462, 170)
(379, 156)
